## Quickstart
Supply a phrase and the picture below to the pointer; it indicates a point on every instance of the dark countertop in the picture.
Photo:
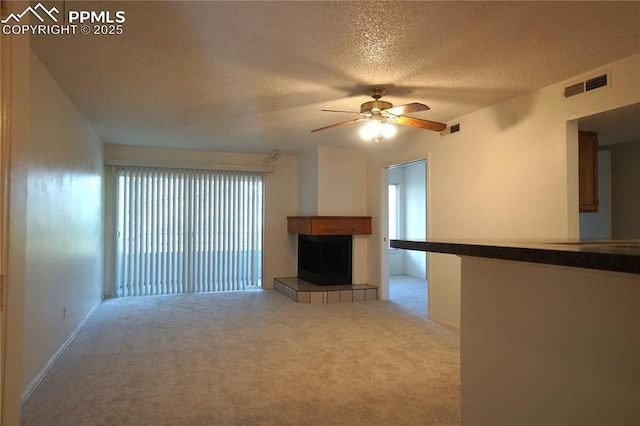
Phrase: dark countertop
(619, 256)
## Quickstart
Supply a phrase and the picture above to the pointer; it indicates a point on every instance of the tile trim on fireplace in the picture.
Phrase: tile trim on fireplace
(302, 291)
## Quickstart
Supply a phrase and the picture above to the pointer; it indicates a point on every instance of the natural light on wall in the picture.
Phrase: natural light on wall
(394, 205)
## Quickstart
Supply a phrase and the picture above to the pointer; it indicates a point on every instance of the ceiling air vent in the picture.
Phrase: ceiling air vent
(595, 82)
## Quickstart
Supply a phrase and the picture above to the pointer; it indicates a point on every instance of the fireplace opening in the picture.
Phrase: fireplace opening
(325, 259)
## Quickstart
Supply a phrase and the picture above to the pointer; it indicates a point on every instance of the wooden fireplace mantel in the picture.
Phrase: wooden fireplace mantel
(329, 225)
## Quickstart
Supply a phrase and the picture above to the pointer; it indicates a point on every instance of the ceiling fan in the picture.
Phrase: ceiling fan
(381, 115)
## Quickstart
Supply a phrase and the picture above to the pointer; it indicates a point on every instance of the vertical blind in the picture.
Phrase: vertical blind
(188, 231)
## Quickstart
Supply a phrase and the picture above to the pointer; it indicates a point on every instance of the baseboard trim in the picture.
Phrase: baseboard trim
(446, 325)
(45, 370)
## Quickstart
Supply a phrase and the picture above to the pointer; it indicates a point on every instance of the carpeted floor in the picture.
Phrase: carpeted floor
(251, 358)
(409, 293)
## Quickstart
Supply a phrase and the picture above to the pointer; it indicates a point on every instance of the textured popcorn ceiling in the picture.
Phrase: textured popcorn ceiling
(253, 76)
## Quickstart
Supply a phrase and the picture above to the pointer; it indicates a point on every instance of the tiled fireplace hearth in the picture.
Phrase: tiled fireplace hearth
(302, 291)
(325, 270)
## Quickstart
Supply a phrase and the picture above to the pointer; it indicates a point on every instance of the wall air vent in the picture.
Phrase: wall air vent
(454, 128)
(574, 89)
(587, 86)
(596, 82)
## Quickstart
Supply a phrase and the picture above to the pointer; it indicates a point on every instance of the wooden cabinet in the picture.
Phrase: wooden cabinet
(329, 225)
(588, 171)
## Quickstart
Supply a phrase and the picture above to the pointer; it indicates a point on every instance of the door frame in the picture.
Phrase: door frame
(384, 220)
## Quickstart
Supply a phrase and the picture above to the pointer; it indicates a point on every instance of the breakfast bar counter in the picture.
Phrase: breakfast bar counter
(609, 255)
(549, 331)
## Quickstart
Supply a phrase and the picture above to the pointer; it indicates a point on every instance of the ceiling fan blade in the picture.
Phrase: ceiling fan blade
(422, 124)
(407, 108)
(338, 124)
(338, 110)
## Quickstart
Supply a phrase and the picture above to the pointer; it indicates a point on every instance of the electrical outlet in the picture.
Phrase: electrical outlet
(64, 313)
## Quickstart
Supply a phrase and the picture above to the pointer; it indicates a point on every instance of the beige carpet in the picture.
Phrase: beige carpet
(410, 293)
(251, 358)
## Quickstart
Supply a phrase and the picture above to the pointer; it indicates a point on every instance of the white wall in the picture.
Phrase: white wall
(510, 173)
(332, 182)
(15, 62)
(280, 201)
(342, 182)
(625, 184)
(308, 182)
(598, 224)
(280, 253)
(64, 222)
(168, 157)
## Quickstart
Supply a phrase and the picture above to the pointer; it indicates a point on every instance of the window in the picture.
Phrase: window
(188, 231)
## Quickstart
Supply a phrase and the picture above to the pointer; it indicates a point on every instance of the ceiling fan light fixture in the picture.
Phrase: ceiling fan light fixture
(388, 130)
(372, 130)
(381, 116)
(377, 129)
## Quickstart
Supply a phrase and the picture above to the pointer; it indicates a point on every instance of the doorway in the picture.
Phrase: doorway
(407, 219)
(618, 171)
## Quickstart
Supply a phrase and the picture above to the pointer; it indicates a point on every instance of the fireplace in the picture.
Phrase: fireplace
(325, 259)
(325, 271)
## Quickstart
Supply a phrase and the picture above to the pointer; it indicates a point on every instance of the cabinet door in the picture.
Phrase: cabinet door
(588, 171)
